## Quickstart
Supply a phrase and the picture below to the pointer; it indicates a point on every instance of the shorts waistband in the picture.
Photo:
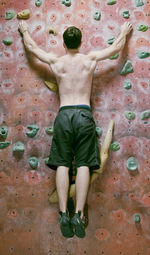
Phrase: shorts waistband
(78, 106)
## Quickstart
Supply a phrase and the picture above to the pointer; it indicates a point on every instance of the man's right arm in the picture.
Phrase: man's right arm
(115, 47)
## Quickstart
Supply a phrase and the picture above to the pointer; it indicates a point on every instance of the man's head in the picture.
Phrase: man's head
(72, 37)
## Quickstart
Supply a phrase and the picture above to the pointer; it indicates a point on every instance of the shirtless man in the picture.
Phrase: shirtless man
(74, 127)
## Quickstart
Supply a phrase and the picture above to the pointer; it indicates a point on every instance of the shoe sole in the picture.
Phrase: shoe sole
(65, 230)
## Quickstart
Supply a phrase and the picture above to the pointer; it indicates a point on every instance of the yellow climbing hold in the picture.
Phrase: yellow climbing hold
(52, 86)
(51, 30)
(25, 14)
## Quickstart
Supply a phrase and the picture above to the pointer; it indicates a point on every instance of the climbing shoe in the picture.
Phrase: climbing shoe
(78, 225)
(65, 225)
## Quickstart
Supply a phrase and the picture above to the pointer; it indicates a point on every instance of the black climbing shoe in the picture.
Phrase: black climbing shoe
(78, 225)
(65, 225)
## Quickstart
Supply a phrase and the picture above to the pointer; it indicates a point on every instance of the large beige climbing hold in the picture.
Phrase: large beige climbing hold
(52, 86)
(103, 155)
(52, 30)
(25, 14)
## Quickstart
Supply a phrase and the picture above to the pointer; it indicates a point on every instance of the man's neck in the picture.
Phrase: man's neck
(72, 51)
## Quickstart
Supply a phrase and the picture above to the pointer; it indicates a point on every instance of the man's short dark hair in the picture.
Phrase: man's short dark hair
(72, 37)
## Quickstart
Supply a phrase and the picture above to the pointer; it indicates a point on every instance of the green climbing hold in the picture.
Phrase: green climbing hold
(110, 2)
(127, 85)
(18, 147)
(114, 146)
(131, 164)
(137, 218)
(38, 3)
(9, 15)
(97, 15)
(143, 54)
(142, 28)
(3, 132)
(98, 131)
(130, 115)
(7, 41)
(111, 40)
(128, 68)
(46, 160)
(4, 145)
(34, 129)
(139, 3)
(145, 115)
(33, 161)
(66, 2)
(126, 14)
(114, 56)
(49, 130)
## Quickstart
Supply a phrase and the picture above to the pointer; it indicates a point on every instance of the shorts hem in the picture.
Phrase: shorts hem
(91, 167)
(54, 166)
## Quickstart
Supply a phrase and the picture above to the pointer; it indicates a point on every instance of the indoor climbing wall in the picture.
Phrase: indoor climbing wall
(119, 199)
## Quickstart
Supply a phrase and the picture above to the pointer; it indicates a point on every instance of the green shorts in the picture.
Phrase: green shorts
(74, 139)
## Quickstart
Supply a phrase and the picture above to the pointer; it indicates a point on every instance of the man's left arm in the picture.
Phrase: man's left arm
(32, 47)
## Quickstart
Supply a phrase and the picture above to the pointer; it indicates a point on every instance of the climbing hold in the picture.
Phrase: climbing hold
(25, 14)
(142, 28)
(18, 147)
(7, 41)
(9, 15)
(34, 129)
(126, 14)
(49, 130)
(51, 30)
(97, 15)
(110, 2)
(143, 54)
(114, 146)
(128, 68)
(139, 3)
(38, 3)
(111, 40)
(46, 160)
(127, 85)
(145, 115)
(98, 131)
(52, 86)
(3, 133)
(33, 161)
(66, 2)
(137, 218)
(114, 56)
(4, 145)
(130, 115)
(131, 164)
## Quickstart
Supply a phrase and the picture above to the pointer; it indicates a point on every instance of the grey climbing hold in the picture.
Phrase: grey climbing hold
(139, 3)
(97, 15)
(33, 161)
(130, 115)
(3, 132)
(114, 56)
(126, 14)
(143, 54)
(111, 40)
(127, 68)
(9, 15)
(49, 130)
(137, 218)
(18, 147)
(98, 131)
(34, 129)
(142, 28)
(114, 146)
(110, 2)
(132, 164)
(4, 145)
(7, 41)
(145, 115)
(66, 2)
(38, 3)
(127, 85)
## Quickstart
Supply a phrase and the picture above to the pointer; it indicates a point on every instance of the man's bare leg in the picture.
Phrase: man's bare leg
(62, 185)
(82, 185)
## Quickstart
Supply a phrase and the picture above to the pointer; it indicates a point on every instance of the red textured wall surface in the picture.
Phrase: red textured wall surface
(28, 223)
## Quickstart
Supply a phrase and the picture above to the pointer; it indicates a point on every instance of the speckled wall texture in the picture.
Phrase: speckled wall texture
(119, 199)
